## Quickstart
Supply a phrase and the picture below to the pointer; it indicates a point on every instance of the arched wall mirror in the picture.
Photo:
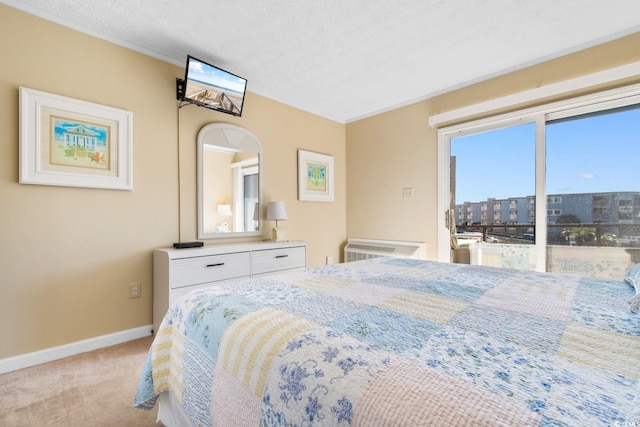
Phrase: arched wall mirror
(229, 183)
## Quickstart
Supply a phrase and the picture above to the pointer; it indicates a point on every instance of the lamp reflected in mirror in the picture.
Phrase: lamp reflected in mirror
(277, 212)
(224, 212)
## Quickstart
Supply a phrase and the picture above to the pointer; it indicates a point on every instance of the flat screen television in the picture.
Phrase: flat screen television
(212, 87)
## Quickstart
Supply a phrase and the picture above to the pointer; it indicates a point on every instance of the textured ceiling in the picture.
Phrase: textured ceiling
(348, 59)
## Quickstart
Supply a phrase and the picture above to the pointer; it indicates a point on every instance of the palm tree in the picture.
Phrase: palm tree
(609, 239)
(584, 236)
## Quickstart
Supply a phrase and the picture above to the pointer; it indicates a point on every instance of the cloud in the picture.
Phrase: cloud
(587, 176)
(196, 66)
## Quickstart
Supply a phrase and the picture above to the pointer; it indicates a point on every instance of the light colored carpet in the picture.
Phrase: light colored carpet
(91, 389)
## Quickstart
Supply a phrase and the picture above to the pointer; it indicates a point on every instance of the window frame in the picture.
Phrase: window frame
(539, 115)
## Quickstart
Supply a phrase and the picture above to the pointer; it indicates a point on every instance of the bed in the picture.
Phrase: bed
(399, 342)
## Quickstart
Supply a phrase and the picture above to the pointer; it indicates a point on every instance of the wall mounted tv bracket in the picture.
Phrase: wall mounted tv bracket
(181, 87)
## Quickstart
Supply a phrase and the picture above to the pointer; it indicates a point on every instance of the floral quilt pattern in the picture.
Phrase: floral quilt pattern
(403, 342)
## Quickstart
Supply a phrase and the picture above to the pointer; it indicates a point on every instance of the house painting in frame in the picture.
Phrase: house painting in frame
(315, 176)
(74, 143)
(79, 144)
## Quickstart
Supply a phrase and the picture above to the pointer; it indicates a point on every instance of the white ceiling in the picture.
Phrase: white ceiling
(349, 59)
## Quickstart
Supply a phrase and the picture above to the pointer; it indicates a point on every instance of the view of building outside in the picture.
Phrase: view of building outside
(592, 181)
(590, 219)
(491, 175)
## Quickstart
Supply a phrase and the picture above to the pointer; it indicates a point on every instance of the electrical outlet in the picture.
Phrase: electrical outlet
(134, 290)
(329, 260)
(407, 193)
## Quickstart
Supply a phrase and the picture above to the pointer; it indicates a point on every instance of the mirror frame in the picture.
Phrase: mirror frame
(208, 136)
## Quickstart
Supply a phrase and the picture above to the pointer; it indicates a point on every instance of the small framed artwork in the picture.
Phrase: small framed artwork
(315, 176)
(74, 143)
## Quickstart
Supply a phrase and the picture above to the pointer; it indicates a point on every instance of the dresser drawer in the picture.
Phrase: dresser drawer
(272, 260)
(212, 268)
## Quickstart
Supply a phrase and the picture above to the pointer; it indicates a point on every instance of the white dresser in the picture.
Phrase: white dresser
(178, 271)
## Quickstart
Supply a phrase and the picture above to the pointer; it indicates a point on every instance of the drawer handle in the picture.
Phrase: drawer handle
(281, 256)
(215, 265)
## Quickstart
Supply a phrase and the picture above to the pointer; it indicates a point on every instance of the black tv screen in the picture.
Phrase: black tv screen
(213, 87)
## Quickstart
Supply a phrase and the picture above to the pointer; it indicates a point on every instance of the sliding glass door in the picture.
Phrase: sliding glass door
(551, 189)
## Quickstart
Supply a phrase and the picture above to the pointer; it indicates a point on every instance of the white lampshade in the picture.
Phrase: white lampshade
(224, 210)
(276, 211)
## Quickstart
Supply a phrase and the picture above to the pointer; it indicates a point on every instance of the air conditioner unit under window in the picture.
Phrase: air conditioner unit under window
(358, 249)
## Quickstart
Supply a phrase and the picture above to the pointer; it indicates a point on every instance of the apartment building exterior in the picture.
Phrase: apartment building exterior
(613, 212)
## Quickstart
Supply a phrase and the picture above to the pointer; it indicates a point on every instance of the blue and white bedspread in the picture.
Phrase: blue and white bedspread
(401, 342)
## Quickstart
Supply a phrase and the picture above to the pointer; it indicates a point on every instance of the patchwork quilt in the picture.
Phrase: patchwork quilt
(401, 342)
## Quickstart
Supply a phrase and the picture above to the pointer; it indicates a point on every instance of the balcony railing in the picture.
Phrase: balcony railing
(609, 234)
(592, 250)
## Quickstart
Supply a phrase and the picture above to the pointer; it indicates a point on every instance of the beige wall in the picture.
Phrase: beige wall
(398, 149)
(386, 154)
(68, 254)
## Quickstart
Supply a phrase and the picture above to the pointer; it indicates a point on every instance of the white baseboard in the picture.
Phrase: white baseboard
(54, 353)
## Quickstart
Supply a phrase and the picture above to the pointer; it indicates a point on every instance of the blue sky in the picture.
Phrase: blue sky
(595, 154)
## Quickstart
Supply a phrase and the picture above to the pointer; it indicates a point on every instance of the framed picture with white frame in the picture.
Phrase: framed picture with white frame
(315, 176)
(69, 142)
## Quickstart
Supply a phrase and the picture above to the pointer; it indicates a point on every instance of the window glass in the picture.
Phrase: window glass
(564, 186)
(593, 179)
(495, 181)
